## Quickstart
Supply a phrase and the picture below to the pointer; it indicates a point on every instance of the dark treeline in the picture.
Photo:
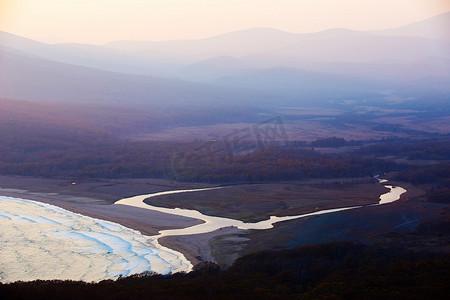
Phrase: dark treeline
(436, 174)
(275, 164)
(414, 150)
(435, 179)
(334, 142)
(342, 270)
(54, 153)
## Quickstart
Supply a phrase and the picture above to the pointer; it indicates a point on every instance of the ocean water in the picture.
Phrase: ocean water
(42, 241)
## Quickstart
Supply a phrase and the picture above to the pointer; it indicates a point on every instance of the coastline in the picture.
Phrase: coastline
(95, 199)
(195, 248)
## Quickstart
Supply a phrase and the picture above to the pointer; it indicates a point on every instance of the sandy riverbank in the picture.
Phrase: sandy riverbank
(196, 248)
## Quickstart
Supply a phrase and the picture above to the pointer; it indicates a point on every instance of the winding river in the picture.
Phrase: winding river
(212, 223)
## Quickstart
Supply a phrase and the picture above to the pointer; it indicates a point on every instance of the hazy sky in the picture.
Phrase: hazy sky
(100, 21)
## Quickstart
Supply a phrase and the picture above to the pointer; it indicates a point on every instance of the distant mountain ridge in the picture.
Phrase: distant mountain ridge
(259, 39)
(437, 27)
(331, 63)
(167, 57)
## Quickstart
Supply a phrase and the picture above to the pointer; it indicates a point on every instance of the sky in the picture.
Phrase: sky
(101, 21)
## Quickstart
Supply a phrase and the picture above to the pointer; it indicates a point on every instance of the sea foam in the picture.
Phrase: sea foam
(42, 241)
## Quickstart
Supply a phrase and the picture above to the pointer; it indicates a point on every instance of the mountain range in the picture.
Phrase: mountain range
(246, 66)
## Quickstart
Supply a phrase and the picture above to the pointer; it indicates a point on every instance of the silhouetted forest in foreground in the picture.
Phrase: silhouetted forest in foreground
(342, 270)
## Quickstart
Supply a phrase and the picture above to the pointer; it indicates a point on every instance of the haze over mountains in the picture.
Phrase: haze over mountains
(247, 67)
